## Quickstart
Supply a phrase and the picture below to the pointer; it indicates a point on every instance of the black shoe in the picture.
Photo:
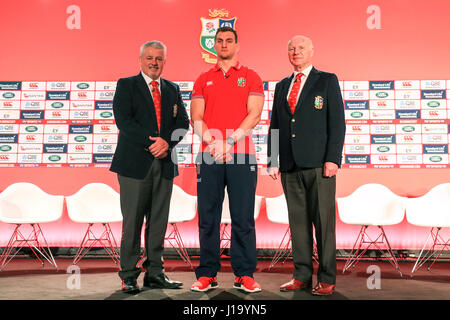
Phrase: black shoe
(129, 285)
(160, 281)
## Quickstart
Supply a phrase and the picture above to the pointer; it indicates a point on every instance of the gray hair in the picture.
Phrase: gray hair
(154, 44)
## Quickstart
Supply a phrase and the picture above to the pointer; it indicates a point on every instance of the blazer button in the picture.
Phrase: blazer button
(293, 135)
(293, 120)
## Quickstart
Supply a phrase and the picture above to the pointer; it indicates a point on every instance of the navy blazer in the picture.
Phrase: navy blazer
(315, 133)
(134, 112)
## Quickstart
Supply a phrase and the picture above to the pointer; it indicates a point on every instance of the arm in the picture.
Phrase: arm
(124, 115)
(273, 146)
(336, 128)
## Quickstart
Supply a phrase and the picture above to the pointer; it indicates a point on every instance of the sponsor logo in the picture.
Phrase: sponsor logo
(407, 114)
(83, 86)
(433, 94)
(54, 158)
(31, 128)
(382, 94)
(106, 114)
(363, 104)
(381, 85)
(435, 159)
(8, 95)
(57, 105)
(408, 129)
(80, 138)
(356, 114)
(433, 104)
(383, 149)
(5, 148)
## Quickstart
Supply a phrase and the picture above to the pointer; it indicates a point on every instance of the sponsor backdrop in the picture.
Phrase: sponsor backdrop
(61, 60)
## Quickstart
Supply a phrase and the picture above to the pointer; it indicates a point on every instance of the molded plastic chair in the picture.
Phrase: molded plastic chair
(183, 208)
(225, 235)
(96, 203)
(371, 205)
(25, 203)
(430, 210)
(277, 212)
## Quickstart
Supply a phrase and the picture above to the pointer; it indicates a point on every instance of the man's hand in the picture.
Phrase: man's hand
(220, 150)
(330, 169)
(274, 172)
(159, 147)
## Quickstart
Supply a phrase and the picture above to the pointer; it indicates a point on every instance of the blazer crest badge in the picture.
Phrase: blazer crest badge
(318, 102)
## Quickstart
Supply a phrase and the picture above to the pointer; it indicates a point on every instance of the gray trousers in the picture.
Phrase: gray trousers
(311, 201)
(149, 198)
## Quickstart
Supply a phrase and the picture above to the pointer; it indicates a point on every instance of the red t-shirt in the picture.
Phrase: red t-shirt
(226, 97)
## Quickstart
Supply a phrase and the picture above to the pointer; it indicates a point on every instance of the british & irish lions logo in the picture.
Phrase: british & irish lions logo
(217, 18)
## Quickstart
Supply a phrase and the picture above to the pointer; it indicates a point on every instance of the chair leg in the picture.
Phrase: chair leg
(436, 241)
(354, 257)
(225, 237)
(284, 249)
(393, 260)
(358, 250)
(106, 240)
(6, 255)
(18, 241)
(180, 248)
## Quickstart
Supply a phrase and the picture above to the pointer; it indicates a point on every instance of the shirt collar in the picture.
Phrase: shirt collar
(237, 66)
(148, 79)
(305, 71)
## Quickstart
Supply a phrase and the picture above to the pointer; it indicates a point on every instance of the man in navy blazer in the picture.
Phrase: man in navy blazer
(152, 119)
(307, 130)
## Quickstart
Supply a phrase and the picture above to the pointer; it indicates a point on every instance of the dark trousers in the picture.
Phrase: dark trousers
(149, 198)
(240, 181)
(311, 201)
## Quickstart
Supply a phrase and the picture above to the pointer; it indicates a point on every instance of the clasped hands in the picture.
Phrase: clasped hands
(329, 170)
(220, 150)
(159, 148)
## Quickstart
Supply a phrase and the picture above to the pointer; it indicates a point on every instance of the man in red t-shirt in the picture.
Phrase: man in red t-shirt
(226, 105)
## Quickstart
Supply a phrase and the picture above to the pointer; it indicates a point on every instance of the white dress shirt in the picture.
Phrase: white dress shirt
(148, 80)
(305, 75)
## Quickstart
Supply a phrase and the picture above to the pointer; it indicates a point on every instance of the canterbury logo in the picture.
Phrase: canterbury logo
(4, 157)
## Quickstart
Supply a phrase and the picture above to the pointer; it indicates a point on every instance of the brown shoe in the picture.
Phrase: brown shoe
(323, 289)
(294, 285)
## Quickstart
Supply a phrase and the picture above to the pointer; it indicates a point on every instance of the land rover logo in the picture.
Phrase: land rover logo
(382, 94)
(356, 114)
(80, 138)
(8, 95)
(409, 129)
(5, 148)
(54, 158)
(433, 104)
(83, 86)
(436, 159)
(181, 157)
(383, 149)
(106, 114)
(57, 105)
(31, 128)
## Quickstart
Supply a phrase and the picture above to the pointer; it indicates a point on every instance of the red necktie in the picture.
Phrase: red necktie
(157, 101)
(292, 100)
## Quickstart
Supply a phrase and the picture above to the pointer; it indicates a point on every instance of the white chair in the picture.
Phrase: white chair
(430, 210)
(277, 212)
(225, 235)
(371, 205)
(183, 208)
(25, 203)
(96, 203)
